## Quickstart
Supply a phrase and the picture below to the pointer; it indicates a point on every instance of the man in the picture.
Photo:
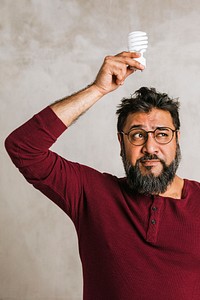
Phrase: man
(139, 236)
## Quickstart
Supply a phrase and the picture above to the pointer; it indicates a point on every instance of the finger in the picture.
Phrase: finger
(120, 75)
(127, 58)
(121, 70)
(133, 64)
(124, 73)
(128, 54)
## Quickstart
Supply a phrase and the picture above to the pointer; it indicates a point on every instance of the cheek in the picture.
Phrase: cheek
(133, 154)
(170, 154)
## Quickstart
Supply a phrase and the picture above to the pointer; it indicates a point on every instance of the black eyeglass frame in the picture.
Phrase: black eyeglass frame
(147, 134)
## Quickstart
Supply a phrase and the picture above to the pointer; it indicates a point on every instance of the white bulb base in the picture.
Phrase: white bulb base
(141, 60)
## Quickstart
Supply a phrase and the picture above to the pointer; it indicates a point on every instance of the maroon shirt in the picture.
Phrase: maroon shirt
(132, 247)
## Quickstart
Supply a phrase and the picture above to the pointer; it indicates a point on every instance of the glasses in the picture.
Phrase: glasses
(138, 136)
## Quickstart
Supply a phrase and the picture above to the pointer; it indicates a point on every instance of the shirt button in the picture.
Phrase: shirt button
(153, 222)
(154, 208)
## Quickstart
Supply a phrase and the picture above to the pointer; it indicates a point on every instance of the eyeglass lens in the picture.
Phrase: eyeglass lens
(139, 136)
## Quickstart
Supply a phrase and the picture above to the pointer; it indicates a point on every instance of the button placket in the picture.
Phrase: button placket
(154, 220)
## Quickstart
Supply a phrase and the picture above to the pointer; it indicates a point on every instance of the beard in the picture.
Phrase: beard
(149, 183)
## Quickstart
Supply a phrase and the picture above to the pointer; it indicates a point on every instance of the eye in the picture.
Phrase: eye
(137, 135)
(163, 134)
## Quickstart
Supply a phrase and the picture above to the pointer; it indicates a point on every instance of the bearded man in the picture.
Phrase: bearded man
(139, 236)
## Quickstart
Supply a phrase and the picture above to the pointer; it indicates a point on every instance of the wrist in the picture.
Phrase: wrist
(99, 90)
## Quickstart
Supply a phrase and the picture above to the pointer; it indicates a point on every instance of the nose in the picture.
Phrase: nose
(151, 146)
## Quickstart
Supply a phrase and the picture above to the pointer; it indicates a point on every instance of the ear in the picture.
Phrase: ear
(119, 135)
(178, 134)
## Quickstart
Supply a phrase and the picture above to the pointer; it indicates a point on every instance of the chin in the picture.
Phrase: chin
(151, 171)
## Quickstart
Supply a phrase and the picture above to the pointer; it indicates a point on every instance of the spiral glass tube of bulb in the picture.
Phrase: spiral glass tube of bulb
(138, 42)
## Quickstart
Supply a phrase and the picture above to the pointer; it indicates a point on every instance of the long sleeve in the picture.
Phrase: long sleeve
(28, 147)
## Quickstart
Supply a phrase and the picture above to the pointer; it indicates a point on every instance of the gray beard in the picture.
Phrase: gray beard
(150, 184)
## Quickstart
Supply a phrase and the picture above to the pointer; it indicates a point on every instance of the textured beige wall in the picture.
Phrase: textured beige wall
(48, 50)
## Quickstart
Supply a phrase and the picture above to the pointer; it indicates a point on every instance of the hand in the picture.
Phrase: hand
(115, 70)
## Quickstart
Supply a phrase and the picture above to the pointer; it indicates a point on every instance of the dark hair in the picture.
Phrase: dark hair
(144, 100)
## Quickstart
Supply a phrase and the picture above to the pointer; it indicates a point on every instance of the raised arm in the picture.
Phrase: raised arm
(114, 71)
(28, 146)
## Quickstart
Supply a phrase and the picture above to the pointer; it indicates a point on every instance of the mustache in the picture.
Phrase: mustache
(149, 157)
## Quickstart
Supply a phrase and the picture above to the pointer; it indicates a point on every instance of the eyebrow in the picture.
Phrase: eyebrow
(136, 126)
(141, 127)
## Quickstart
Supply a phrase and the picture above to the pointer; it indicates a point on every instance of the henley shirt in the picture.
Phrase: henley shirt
(132, 247)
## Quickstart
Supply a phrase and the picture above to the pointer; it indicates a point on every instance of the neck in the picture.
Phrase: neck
(174, 190)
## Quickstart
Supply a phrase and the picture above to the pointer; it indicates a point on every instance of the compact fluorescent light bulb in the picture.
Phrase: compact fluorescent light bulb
(138, 42)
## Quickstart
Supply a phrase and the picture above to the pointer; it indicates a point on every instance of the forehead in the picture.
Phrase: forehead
(151, 120)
